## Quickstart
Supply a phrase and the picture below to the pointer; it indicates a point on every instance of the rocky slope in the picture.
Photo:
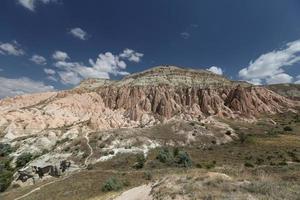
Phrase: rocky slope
(140, 99)
(100, 119)
(291, 91)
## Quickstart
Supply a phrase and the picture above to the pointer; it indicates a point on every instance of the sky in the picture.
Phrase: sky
(48, 45)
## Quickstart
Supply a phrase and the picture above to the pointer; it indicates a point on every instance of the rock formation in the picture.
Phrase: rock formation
(144, 98)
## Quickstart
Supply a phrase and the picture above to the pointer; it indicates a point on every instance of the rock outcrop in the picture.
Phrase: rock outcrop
(144, 98)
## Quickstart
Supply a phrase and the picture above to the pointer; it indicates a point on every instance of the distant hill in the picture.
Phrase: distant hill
(291, 91)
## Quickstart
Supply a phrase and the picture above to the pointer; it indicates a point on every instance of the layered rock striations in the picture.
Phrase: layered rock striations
(139, 99)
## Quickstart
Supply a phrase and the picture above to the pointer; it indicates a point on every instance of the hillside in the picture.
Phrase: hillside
(291, 91)
(100, 126)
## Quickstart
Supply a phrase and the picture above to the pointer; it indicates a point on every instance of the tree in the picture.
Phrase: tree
(23, 159)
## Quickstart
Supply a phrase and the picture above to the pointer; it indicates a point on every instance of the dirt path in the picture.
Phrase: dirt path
(57, 180)
(137, 193)
(91, 149)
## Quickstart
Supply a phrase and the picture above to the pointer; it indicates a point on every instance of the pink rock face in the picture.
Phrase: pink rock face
(167, 101)
(157, 94)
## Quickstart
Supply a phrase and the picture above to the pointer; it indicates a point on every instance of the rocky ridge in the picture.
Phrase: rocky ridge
(139, 99)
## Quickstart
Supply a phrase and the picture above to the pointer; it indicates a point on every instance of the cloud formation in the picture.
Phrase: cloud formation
(79, 33)
(19, 86)
(185, 35)
(39, 60)
(60, 56)
(11, 49)
(31, 4)
(216, 70)
(270, 67)
(105, 65)
(131, 55)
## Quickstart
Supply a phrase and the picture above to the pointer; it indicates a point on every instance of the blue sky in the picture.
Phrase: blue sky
(54, 44)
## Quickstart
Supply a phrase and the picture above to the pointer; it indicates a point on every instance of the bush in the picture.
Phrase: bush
(248, 164)
(23, 159)
(198, 165)
(242, 137)
(183, 159)
(287, 128)
(112, 184)
(164, 156)
(140, 161)
(5, 149)
(210, 165)
(5, 179)
(259, 161)
(176, 157)
(148, 176)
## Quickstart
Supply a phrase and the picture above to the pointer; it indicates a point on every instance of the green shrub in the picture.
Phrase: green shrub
(248, 164)
(23, 159)
(183, 159)
(5, 149)
(259, 161)
(148, 176)
(5, 179)
(176, 151)
(165, 156)
(178, 158)
(198, 165)
(242, 137)
(210, 165)
(112, 184)
(140, 161)
(287, 128)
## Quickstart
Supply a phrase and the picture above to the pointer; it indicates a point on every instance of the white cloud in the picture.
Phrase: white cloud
(185, 35)
(39, 60)
(105, 65)
(131, 55)
(79, 33)
(49, 71)
(216, 70)
(60, 56)
(69, 77)
(31, 4)
(19, 86)
(11, 49)
(255, 81)
(272, 64)
(1, 70)
(279, 78)
(51, 74)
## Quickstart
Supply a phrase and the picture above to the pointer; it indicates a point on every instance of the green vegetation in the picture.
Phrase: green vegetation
(140, 161)
(248, 164)
(177, 158)
(23, 159)
(148, 176)
(5, 179)
(6, 174)
(112, 184)
(5, 149)
(287, 128)
(183, 159)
